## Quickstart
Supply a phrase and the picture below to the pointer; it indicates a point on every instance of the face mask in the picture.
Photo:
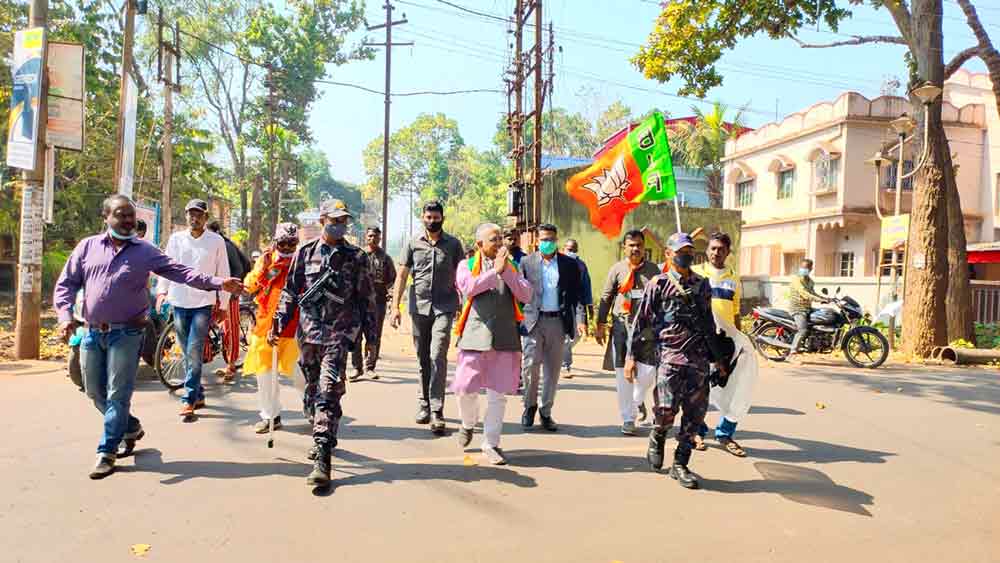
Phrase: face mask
(547, 247)
(335, 231)
(114, 234)
(284, 255)
(570, 254)
(804, 272)
(683, 260)
(433, 226)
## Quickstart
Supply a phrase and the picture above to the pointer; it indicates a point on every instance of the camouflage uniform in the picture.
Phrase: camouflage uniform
(328, 330)
(684, 353)
(383, 272)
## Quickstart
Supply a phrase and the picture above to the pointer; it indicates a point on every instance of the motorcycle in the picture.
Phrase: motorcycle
(844, 326)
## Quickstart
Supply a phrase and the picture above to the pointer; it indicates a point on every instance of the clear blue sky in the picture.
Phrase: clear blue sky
(457, 51)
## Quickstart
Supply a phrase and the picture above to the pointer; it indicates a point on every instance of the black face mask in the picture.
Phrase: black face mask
(433, 226)
(683, 260)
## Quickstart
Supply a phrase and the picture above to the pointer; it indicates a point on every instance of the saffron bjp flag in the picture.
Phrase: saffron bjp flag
(635, 170)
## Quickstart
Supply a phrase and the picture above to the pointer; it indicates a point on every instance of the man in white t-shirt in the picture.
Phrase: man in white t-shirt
(204, 252)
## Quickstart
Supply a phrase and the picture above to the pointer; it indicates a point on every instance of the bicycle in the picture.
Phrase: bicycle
(169, 357)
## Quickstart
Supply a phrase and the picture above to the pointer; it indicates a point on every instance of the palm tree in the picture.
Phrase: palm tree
(702, 144)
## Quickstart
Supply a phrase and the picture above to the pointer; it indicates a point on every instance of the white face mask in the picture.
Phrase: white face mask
(570, 254)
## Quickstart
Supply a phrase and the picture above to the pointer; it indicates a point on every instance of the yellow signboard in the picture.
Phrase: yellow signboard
(895, 231)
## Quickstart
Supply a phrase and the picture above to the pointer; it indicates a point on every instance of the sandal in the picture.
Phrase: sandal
(732, 447)
(699, 443)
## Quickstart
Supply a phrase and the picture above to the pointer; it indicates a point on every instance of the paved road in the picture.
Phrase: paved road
(899, 465)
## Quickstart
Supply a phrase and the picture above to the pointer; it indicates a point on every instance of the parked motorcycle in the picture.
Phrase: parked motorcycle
(843, 325)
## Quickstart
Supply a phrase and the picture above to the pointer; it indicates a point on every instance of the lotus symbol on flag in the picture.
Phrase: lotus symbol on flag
(609, 185)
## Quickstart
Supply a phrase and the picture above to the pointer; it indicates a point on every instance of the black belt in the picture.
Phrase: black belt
(550, 314)
(138, 322)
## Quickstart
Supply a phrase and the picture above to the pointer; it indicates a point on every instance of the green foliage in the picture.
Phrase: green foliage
(987, 335)
(690, 36)
(703, 144)
(320, 185)
(52, 264)
(418, 159)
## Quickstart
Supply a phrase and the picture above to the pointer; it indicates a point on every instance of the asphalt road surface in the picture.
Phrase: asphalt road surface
(897, 464)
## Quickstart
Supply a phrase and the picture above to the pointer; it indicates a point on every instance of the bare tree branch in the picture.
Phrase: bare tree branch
(901, 15)
(857, 40)
(960, 59)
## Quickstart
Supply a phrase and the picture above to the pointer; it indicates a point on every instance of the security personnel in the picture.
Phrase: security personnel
(330, 284)
(676, 307)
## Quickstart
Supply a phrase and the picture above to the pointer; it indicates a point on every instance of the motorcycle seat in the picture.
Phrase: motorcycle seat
(775, 312)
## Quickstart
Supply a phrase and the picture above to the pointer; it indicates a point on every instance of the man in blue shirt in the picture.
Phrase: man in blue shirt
(571, 248)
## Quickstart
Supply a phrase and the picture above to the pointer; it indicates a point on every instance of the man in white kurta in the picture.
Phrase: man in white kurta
(489, 346)
(205, 252)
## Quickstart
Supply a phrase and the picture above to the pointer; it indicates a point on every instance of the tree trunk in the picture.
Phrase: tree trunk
(258, 189)
(240, 173)
(713, 185)
(924, 315)
(958, 302)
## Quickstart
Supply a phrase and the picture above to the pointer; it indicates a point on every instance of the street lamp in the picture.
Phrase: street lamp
(876, 160)
(903, 126)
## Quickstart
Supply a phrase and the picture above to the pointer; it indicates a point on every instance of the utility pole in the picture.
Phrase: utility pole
(166, 55)
(272, 188)
(524, 194)
(388, 25)
(126, 69)
(29, 292)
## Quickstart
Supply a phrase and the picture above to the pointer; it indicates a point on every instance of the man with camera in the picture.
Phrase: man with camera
(331, 286)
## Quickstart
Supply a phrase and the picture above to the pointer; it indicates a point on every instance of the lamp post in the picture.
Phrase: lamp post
(903, 126)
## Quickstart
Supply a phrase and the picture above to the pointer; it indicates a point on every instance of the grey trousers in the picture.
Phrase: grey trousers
(543, 352)
(802, 330)
(431, 338)
(568, 350)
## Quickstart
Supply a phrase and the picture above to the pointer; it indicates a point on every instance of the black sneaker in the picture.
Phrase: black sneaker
(548, 423)
(437, 424)
(423, 415)
(105, 466)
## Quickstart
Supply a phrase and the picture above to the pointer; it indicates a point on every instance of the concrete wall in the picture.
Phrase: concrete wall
(573, 221)
(774, 290)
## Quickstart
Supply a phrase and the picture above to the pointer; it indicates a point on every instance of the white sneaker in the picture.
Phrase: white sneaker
(105, 466)
(372, 374)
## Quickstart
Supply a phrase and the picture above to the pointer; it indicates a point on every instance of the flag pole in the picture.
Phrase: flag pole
(677, 213)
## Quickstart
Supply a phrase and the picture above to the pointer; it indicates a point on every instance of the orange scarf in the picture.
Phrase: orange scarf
(627, 287)
(476, 267)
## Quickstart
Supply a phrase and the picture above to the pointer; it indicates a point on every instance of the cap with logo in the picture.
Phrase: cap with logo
(678, 241)
(334, 208)
(198, 204)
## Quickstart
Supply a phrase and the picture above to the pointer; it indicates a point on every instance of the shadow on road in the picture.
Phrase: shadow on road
(798, 484)
(810, 451)
(968, 388)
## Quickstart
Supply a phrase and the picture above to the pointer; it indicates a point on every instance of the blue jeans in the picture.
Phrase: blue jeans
(192, 328)
(725, 429)
(110, 361)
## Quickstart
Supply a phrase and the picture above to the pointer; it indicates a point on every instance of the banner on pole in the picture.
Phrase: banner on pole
(48, 196)
(66, 124)
(22, 123)
(895, 231)
(128, 138)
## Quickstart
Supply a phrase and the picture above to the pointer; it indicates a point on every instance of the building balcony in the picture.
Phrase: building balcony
(887, 200)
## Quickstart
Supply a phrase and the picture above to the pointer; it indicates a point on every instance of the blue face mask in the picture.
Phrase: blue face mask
(804, 272)
(115, 235)
(547, 247)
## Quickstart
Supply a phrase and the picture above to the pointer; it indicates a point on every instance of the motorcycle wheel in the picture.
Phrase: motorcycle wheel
(777, 332)
(865, 347)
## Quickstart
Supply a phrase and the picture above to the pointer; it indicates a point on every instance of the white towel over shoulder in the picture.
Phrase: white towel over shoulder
(733, 400)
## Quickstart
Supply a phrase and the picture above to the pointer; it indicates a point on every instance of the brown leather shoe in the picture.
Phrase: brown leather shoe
(186, 410)
(199, 404)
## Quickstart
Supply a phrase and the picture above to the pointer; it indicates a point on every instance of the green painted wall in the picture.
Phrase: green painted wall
(600, 253)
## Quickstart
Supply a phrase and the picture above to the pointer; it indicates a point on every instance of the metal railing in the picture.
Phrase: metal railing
(986, 301)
